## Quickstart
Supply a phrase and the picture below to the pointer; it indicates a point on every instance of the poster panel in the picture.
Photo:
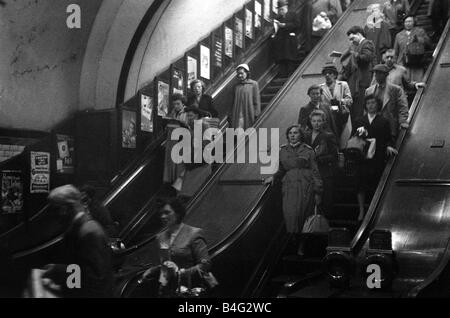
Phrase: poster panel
(218, 50)
(128, 129)
(40, 172)
(205, 62)
(258, 14)
(146, 113)
(12, 191)
(275, 6)
(66, 152)
(191, 69)
(177, 82)
(239, 35)
(228, 42)
(248, 24)
(163, 99)
(267, 10)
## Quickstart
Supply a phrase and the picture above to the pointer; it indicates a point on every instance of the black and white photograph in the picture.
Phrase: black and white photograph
(232, 156)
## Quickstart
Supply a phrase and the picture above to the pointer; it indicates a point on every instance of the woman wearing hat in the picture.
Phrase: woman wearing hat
(247, 99)
(284, 46)
(337, 94)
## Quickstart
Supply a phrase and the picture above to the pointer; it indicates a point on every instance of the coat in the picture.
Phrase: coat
(372, 169)
(399, 75)
(86, 245)
(188, 250)
(326, 149)
(381, 38)
(402, 40)
(247, 100)
(395, 106)
(205, 104)
(394, 11)
(284, 44)
(357, 65)
(305, 123)
(300, 179)
(332, 8)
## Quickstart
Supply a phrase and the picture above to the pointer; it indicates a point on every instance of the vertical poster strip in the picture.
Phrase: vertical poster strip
(267, 10)
(191, 69)
(239, 24)
(12, 192)
(177, 82)
(128, 129)
(229, 42)
(205, 62)
(275, 6)
(258, 14)
(40, 172)
(218, 50)
(163, 99)
(66, 151)
(146, 113)
(248, 23)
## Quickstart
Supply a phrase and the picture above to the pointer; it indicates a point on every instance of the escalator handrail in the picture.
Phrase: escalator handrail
(362, 232)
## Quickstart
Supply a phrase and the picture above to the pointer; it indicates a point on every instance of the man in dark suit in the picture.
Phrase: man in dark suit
(315, 93)
(395, 103)
(357, 62)
(85, 245)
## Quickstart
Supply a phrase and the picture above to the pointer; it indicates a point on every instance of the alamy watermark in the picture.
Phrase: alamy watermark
(259, 150)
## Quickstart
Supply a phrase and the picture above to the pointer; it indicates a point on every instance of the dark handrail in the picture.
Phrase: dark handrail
(370, 215)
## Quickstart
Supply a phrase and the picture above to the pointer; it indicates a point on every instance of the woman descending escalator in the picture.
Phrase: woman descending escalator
(375, 128)
(301, 181)
(184, 259)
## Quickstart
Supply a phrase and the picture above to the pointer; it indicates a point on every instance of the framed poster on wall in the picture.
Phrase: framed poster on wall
(191, 69)
(163, 99)
(128, 129)
(258, 14)
(239, 32)
(205, 62)
(228, 42)
(146, 113)
(275, 6)
(177, 81)
(248, 23)
(12, 191)
(267, 10)
(40, 172)
(66, 151)
(218, 50)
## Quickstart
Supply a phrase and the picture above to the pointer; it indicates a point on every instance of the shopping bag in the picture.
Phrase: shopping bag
(316, 223)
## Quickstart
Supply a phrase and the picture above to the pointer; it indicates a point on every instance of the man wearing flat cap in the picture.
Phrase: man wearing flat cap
(84, 244)
(395, 104)
(337, 94)
(284, 45)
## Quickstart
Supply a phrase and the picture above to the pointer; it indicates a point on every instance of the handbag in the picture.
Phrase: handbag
(355, 149)
(316, 223)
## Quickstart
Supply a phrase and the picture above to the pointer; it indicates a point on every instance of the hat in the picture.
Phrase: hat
(282, 3)
(381, 68)
(244, 66)
(330, 67)
(66, 194)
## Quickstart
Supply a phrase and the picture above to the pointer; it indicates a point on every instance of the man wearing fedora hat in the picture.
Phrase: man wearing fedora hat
(395, 104)
(284, 44)
(337, 94)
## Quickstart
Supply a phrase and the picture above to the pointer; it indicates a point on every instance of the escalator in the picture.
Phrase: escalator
(129, 191)
(236, 210)
(410, 205)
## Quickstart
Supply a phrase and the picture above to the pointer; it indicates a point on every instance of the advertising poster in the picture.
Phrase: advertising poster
(177, 82)
(258, 14)
(163, 99)
(267, 10)
(229, 42)
(128, 129)
(218, 50)
(248, 24)
(192, 69)
(40, 172)
(146, 113)
(239, 25)
(205, 64)
(66, 151)
(12, 191)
